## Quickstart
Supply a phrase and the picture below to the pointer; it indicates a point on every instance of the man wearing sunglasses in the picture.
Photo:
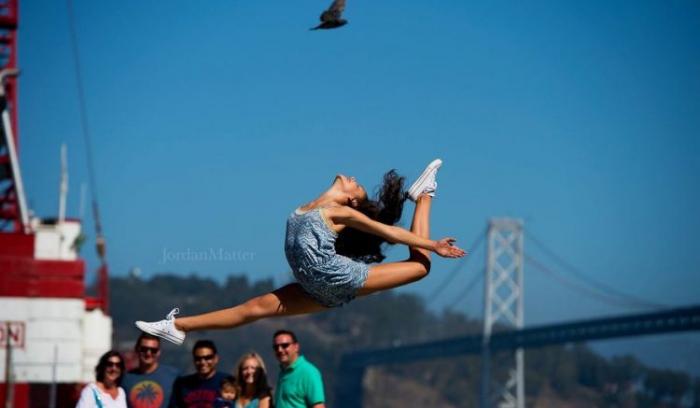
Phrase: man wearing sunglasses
(200, 389)
(149, 385)
(299, 384)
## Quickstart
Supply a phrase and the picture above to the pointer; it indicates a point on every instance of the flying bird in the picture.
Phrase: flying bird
(332, 18)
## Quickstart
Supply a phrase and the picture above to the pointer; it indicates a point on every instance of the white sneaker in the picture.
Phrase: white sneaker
(164, 328)
(426, 183)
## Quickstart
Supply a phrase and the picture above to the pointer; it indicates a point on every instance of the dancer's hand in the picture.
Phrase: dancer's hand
(446, 249)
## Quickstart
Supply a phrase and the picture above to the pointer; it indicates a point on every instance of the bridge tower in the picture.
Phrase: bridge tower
(503, 306)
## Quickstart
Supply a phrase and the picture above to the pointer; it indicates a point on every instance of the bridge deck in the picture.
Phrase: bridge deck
(666, 321)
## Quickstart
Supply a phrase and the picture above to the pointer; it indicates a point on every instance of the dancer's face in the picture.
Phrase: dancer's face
(349, 185)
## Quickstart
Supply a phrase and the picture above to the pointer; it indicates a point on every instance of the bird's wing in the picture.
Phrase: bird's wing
(337, 7)
(327, 16)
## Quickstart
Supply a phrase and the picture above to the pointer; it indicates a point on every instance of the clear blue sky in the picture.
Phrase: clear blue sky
(212, 120)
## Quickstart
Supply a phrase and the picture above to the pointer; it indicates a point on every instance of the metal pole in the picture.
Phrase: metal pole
(9, 383)
(485, 394)
(12, 149)
(63, 185)
(54, 378)
(519, 353)
(486, 350)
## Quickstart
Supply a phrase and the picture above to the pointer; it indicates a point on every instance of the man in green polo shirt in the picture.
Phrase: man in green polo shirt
(299, 384)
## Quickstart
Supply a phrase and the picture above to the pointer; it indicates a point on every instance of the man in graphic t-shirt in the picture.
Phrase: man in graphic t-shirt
(199, 390)
(149, 385)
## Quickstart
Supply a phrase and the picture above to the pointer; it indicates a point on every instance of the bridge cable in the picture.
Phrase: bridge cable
(463, 294)
(576, 286)
(602, 287)
(462, 262)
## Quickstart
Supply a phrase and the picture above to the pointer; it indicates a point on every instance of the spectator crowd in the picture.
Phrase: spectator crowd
(154, 385)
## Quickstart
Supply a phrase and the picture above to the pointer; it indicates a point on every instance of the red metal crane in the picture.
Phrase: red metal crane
(51, 334)
(11, 218)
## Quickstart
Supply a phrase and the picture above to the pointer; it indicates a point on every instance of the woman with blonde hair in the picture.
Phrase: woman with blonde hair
(251, 377)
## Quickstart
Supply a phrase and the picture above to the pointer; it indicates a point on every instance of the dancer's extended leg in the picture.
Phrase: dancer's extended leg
(286, 301)
(292, 300)
(393, 274)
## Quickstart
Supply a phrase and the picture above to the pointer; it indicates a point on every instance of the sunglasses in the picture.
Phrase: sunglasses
(283, 346)
(145, 350)
(116, 364)
(207, 357)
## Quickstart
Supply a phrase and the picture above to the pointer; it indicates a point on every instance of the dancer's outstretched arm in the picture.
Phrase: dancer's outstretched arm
(352, 218)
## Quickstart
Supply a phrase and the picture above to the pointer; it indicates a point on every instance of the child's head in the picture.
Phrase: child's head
(229, 388)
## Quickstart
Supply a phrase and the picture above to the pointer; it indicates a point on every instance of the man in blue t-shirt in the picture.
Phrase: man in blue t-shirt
(199, 390)
(149, 385)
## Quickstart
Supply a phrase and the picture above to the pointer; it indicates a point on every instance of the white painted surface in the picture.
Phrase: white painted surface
(56, 241)
(97, 339)
(80, 337)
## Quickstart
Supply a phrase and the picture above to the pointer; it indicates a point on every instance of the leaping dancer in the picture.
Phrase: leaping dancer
(329, 245)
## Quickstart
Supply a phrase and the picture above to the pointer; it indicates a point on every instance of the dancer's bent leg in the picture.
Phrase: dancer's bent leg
(417, 266)
(286, 301)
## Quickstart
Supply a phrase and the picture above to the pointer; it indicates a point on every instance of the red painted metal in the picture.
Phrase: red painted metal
(92, 303)
(26, 277)
(37, 395)
(20, 396)
(102, 300)
(8, 49)
(17, 244)
(103, 274)
(8, 59)
(67, 395)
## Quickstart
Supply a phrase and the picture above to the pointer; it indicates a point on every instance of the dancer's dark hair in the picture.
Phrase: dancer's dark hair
(386, 208)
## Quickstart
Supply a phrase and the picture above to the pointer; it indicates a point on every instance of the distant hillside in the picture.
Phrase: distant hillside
(556, 376)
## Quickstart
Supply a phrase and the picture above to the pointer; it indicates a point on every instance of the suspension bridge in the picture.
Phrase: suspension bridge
(503, 308)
